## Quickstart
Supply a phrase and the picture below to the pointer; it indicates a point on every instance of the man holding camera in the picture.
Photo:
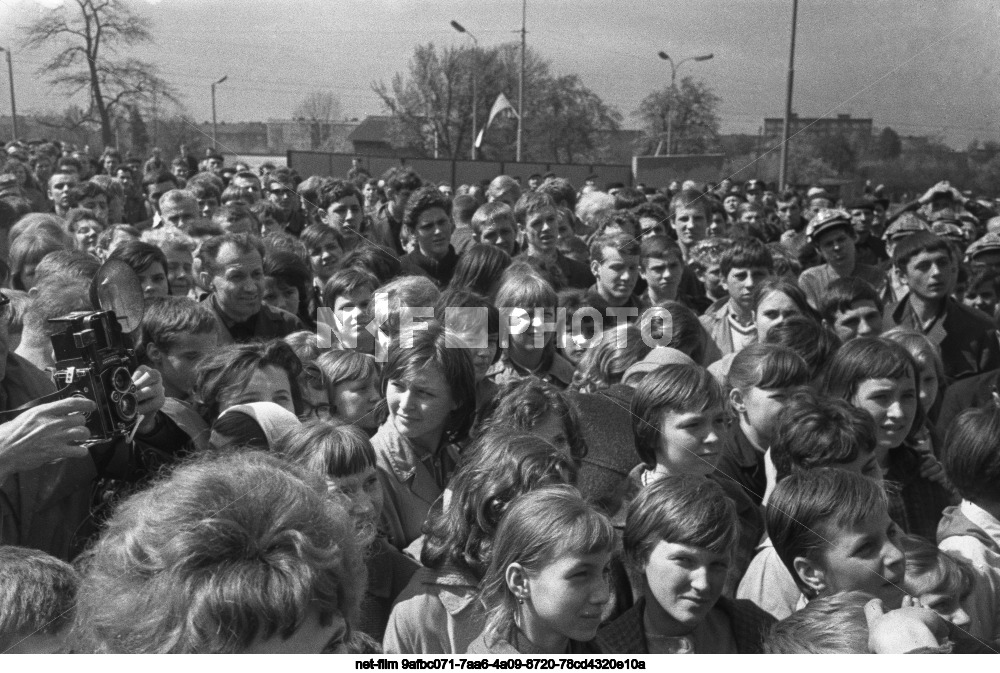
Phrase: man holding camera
(47, 478)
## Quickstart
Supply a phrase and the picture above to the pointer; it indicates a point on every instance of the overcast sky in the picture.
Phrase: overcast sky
(920, 66)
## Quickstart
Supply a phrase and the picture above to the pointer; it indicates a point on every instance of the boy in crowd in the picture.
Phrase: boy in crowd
(661, 265)
(703, 262)
(729, 321)
(813, 432)
(870, 249)
(538, 218)
(494, 223)
(175, 333)
(832, 232)
(388, 220)
(966, 338)
(831, 529)
(852, 308)
(982, 291)
(37, 601)
(179, 208)
(614, 261)
(348, 295)
(689, 219)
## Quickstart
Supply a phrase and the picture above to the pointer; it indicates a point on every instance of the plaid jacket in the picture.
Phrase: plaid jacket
(625, 635)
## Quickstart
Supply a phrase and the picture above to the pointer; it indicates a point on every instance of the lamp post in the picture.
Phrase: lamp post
(674, 67)
(520, 79)
(785, 129)
(215, 143)
(475, 50)
(13, 105)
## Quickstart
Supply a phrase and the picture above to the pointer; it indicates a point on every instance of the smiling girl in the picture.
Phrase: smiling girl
(882, 378)
(430, 396)
(547, 583)
(679, 538)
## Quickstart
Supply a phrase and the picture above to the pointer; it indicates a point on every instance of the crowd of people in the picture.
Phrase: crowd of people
(377, 414)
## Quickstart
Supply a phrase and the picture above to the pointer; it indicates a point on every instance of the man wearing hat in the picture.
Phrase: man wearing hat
(870, 250)
(832, 232)
(985, 253)
(754, 191)
(906, 225)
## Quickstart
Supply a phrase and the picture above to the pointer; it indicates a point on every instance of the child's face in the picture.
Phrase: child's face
(928, 589)
(616, 275)
(684, 583)
(154, 281)
(433, 232)
(365, 494)
(716, 225)
(270, 384)
(982, 297)
(650, 226)
(179, 270)
(344, 215)
(566, 598)
(501, 232)
(931, 275)
(324, 257)
(663, 276)
(541, 229)
(862, 319)
(837, 247)
(893, 405)
(533, 329)
(690, 224)
(350, 309)
(740, 282)
(774, 309)
(865, 557)
(276, 295)
(691, 442)
(354, 402)
(178, 363)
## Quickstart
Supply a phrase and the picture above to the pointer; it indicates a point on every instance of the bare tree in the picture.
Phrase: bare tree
(319, 110)
(89, 34)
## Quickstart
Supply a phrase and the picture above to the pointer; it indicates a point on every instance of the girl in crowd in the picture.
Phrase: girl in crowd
(430, 396)
(679, 538)
(439, 612)
(352, 380)
(761, 379)
(547, 583)
(881, 377)
(244, 373)
(85, 228)
(775, 300)
(606, 359)
(814, 342)
(343, 456)
(180, 566)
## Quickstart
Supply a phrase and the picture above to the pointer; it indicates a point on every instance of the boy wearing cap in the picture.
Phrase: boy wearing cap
(832, 232)
(965, 337)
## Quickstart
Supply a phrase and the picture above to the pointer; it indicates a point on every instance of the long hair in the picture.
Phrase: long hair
(538, 528)
(605, 361)
(503, 466)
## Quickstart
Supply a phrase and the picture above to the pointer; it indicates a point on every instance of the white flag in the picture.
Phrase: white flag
(501, 104)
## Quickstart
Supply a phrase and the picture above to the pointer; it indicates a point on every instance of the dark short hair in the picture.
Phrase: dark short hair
(335, 190)
(345, 281)
(480, 268)
(168, 318)
(812, 340)
(680, 388)
(532, 202)
(917, 243)
(37, 594)
(326, 449)
(679, 509)
(140, 256)
(745, 253)
(422, 200)
(625, 244)
(817, 431)
(233, 366)
(659, 247)
(806, 505)
(209, 250)
(841, 295)
(970, 455)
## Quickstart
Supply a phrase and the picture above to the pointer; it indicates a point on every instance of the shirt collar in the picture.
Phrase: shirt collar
(981, 518)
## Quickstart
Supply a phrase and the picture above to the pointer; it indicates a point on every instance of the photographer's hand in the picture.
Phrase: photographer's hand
(44, 434)
(150, 396)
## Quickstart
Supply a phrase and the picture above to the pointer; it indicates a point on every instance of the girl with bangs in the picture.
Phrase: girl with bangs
(547, 583)
(462, 313)
(882, 378)
(430, 400)
(528, 305)
(681, 428)
(761, 379)
(679, 538)
(344, 458)
(438, 612)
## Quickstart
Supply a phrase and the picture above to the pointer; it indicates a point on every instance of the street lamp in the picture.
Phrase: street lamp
(674, 67)
(13, 105)
(475, 51)
(215, 144)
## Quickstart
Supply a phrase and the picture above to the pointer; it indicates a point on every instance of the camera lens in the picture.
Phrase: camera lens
(127, 407)
(121, 380)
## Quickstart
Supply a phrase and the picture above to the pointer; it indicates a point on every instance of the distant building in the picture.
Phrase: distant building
(857, 131)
